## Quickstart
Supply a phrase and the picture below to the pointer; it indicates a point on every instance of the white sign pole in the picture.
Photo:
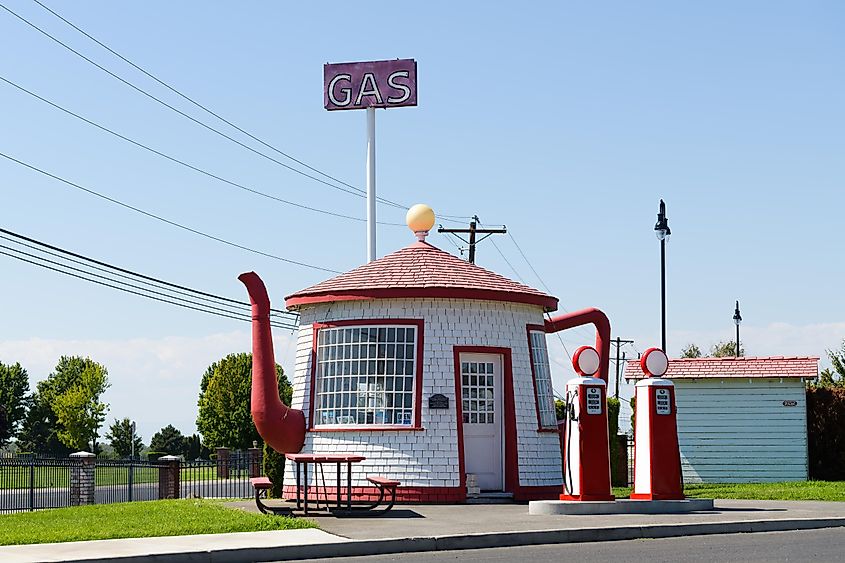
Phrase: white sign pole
(371, 184)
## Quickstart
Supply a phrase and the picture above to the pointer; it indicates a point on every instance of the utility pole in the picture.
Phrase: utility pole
(619, 343)
(473, 231)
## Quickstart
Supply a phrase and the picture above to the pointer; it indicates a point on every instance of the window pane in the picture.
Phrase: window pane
(364, 377)
(543, 381)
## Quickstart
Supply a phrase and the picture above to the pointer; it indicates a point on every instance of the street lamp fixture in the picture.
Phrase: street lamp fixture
(737, 320)
(661, 229)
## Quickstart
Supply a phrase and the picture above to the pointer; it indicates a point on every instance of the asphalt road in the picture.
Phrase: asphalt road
(810, 545)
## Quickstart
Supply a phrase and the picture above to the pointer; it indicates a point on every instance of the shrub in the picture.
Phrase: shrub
(826, 433)
(274, 468)
(153, 456)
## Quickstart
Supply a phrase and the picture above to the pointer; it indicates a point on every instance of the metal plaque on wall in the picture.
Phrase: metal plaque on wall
(438, 402)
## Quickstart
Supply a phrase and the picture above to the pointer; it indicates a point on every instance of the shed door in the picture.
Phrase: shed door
(481, 403)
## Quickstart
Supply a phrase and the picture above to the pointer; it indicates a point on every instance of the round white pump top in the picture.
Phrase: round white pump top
(655, 362)
(586, 360)
(420, 219)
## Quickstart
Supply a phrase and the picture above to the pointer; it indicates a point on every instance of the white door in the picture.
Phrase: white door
(481, 402)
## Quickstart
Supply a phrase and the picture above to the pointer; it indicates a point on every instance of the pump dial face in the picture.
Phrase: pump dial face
(586, 360)
(655, 362)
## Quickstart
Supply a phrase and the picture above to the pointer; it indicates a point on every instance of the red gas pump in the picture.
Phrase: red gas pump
(586, 454)
(657, 465)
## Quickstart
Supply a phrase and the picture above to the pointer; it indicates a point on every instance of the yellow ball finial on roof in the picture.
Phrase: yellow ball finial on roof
(420, 219)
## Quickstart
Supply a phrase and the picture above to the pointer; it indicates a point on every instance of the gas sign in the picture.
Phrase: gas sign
(379, 84)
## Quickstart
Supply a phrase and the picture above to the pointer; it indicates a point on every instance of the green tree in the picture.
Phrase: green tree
(39, 431)
(837, 360)
(691, 351)
(195, 449)
(725, 350)
(65, 411)
(121, 438)
(224, 418)
(14, 387)
(73, 392)
(168, 440)
(274, 468)
(4, 422)
(828, 380)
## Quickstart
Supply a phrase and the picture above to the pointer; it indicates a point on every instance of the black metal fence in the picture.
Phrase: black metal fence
(126, 481)
(224, 477)
(31, 484)
(630, 461)
(34, 483)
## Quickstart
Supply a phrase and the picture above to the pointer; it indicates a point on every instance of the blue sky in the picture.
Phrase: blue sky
(565, 121)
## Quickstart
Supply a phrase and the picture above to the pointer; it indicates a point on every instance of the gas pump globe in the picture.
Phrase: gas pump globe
(586, 458)
(657, 466)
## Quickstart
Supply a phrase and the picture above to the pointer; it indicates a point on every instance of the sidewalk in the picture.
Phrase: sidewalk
(438, 527)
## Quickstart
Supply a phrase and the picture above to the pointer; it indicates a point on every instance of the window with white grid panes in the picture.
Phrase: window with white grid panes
(477, 392)
(543, 380)
(365, 376)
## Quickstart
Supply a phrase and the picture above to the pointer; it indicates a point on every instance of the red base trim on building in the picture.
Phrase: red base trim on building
(419, 494)
(370, 494)
(538, 493)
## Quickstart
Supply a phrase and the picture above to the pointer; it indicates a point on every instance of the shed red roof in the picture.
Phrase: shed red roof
(742, 367)
(421, 270)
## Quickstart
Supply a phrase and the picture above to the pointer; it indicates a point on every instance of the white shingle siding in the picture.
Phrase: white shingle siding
(735, 430)
(429, 458)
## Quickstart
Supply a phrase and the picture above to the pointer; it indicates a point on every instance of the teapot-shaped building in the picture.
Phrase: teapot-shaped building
(431, 367)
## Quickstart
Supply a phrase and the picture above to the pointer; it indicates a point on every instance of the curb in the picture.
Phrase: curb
(358, 548)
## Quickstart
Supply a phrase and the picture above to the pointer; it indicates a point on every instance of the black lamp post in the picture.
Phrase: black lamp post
(737, 320)
(661, 229)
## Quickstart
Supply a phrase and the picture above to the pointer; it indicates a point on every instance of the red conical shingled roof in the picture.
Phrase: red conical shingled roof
(421, 270)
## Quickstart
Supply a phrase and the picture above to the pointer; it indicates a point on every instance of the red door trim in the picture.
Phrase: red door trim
(511, 461)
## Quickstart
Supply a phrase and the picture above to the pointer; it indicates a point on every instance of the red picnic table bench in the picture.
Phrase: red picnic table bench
(382, 483)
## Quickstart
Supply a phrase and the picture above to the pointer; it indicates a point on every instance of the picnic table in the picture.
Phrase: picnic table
(303, 460)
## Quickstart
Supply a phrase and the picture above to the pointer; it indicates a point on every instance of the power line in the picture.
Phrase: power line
(560, 338)
(164, 220)
(543, 283)
(447, 237)
(183, 163)
(354, 189)
(177, 302)
(129, 274)
(152, 291)
(197, 121)
(496, 246)
(524, 257)
(193, 101)
(217, 115)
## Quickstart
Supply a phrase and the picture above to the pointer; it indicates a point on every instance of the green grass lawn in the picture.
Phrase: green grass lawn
(136, 520)
(798, 490)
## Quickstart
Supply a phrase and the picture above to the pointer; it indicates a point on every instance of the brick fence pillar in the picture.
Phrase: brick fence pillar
(168, 477)
(222, 463)
(82, 478)
(254, 462)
